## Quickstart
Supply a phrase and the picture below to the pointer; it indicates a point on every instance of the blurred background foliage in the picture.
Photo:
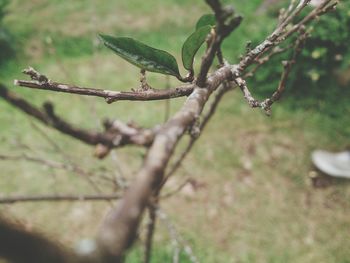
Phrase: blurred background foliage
(320, 80)
(7, 50)
(251, 198)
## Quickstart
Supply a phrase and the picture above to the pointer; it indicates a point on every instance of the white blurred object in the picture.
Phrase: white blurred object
(86, 246)
(316, 2)
(333, 164)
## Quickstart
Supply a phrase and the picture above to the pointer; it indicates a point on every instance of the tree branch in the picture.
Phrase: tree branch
(177, 239)
(212, 108)
(281, 33)
(226, 23)
(119, 229)
(150, 233)
(267, 103)
(57, 198)
(118, 134)
(70, 167)
(40, 81)
(261, 61)
(287, 67)
(21, 246)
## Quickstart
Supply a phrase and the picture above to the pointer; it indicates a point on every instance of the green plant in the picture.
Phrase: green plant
(154, 60)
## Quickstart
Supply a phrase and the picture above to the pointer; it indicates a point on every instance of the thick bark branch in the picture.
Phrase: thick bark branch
(21, 246)
(120, 227)
(218, 96)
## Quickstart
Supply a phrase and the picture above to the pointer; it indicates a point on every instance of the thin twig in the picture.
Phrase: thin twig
(267, 103)
(150, 233)
(40, 81)
(45, 135)
(178, 189)
(287, 65)
(72, 167)
(261, 61)
(167, 102)
(57, 198)
(177, 240)
(280, 34)
(284, 13)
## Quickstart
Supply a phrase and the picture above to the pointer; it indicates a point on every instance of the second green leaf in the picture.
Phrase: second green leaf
(192, 44)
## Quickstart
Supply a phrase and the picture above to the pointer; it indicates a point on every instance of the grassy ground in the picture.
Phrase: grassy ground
(252, 200)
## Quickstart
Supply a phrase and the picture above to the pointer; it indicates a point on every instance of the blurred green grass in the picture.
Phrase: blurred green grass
(256, 203)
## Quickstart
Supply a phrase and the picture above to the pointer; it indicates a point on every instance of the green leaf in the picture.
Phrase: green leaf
(206, 20)
(192, 44)
(142, 56)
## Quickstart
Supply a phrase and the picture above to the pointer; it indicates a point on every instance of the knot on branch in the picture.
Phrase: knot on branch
(101, 151)
(127, 133)
(195, 128)
(226, 18)
(230, 25)
(35, 75)
(144, 86)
